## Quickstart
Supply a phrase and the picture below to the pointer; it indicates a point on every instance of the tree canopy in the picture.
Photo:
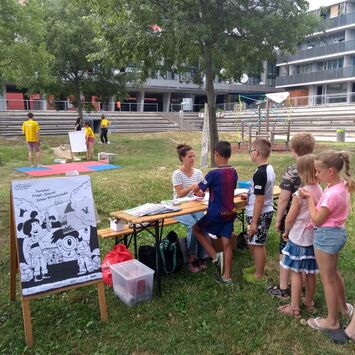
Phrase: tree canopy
(208, 37)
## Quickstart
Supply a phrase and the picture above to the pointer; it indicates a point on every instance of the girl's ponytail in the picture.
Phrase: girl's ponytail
(348, 178)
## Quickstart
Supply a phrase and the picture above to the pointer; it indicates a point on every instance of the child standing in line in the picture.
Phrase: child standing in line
(328, 217)
(301, 144)
(221, 214)
(259, 209)
(90, 140)
(298, 254)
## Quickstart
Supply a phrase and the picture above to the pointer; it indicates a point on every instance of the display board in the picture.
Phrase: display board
(77, 141)
(56, 233)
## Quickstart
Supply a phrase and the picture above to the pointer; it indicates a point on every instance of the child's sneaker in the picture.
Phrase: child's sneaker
(249, 270)
(250, 278)
(218, 262)
(202, 264)
(193, 266)
(221, 280)
(276, 291)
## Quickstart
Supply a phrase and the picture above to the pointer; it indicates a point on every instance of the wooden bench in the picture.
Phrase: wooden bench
(128, 230)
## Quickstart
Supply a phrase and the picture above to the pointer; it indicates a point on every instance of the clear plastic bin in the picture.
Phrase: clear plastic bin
(132, 281)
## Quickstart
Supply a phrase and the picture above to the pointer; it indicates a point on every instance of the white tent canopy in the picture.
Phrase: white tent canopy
(278, 97)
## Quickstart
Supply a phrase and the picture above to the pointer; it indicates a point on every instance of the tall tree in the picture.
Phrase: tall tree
(71, 39)
(23, 56)
(207, 37)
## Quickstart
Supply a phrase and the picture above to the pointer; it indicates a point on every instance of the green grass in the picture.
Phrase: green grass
(194, 313)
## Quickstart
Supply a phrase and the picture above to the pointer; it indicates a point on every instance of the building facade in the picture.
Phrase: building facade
(163, 92)
(322, 71)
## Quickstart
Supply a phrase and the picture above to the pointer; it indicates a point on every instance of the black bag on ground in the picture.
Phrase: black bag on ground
(171, 256)
(242, 240)
(146, 255)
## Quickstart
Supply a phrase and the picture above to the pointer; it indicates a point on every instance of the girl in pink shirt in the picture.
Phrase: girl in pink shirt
(298, 254)
(328, 218)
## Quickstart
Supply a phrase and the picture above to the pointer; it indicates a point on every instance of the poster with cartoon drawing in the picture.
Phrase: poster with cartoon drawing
(56, 232)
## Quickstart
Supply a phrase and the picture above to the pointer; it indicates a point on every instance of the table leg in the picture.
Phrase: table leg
(157, 259)
(135, 241)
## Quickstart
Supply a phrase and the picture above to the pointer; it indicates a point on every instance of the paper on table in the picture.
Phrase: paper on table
(151, 209)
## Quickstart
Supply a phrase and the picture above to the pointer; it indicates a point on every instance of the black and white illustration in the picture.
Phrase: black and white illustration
(56, 233)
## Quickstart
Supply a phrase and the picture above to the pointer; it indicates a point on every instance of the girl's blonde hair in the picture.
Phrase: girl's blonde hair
(337, 160)
(305, 167)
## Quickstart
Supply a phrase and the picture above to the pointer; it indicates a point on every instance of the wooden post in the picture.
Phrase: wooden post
(249, 137)
(288, 133)
(27, 323)
(259, 121)
(102, 301)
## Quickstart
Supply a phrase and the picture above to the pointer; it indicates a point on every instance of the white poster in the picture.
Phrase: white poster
(77, 141)
(56, 232)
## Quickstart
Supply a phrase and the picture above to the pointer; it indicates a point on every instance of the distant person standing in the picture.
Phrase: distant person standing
(104, 128)
(77, 126)
(90, 140)
(30, 129)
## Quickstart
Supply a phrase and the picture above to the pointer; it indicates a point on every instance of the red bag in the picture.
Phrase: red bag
(118, 254)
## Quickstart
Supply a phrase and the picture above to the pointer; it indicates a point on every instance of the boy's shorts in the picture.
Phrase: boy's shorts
(263, 226)
(218, 228)
(33, 146)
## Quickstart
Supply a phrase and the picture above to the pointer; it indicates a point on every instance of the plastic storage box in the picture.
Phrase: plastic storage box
(132, 281)
(106, 158)
(245, 184)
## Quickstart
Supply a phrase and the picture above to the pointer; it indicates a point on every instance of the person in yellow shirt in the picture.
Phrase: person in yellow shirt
(30, 129)
(104, 128)
(90, 140)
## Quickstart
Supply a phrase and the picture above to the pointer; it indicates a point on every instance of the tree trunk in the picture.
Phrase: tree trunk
(211, 103)
(78, 100)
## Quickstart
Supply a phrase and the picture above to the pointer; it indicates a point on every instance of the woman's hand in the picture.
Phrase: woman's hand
(252, 230)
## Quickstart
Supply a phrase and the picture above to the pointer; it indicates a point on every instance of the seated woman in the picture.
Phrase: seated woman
(184, 179)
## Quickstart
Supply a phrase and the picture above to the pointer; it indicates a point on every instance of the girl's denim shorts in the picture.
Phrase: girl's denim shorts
(329, 240)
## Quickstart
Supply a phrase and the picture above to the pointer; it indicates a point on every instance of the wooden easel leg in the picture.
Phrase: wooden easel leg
(27, 323)
(13, 268)
(102, 301)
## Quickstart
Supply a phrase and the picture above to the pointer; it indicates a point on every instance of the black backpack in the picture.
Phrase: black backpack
(171, 256)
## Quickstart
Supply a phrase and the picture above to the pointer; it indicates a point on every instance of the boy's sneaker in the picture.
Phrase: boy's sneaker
(193, 266)
(218, 262)
(222, 281)
(276, 291)
(249, 270)
(202, 264)
(250, 278)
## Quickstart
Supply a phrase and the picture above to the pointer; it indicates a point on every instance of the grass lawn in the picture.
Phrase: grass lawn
(194, 315)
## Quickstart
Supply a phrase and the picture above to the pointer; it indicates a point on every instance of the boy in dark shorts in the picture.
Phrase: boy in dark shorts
(301, 144)
(259, 209)
(221, 214)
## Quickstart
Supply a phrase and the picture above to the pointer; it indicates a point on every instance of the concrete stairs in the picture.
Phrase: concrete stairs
(53, 123)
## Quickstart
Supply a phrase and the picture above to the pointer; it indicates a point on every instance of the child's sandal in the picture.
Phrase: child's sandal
(288, 310)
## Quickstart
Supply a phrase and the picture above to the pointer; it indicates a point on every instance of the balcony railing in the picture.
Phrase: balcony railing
(342, 20)
(316, 76)
(334, 48)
